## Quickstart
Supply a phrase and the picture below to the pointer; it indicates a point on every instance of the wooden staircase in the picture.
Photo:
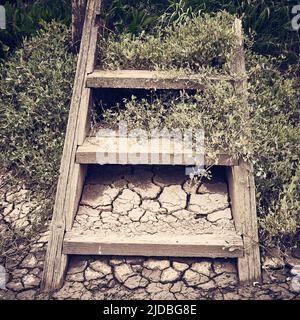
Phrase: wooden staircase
(80, 151)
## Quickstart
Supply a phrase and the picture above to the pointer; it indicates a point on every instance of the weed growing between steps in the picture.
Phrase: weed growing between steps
(183, 44)
(217, 110)
(268, 21)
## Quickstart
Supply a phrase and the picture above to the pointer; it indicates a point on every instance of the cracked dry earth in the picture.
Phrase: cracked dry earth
(136, 201)
(156, 201)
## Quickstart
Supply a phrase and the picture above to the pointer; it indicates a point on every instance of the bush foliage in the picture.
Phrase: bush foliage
(183, 44)
(36, 84)
(275, 115)
(217, 110)
(268, 21)
(25, 18)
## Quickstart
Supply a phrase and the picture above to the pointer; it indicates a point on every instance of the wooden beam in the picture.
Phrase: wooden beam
(172, 245)
(66, 196)
(242, 186)
(86, 101)
(127, 150)
(243, 206)
(145, 79)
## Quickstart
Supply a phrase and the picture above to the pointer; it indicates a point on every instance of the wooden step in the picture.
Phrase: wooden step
(129, 150)
(229, 245)
(144, 79)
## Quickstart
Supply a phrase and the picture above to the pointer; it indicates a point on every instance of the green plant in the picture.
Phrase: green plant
(282, 220)
(24, 18)
(268, 21)
(216, 110)
(181, 44)
(130, 15)
(274, 100)
(36, 86)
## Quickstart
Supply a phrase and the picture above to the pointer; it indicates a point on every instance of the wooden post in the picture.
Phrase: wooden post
(243, 206)
(72, 175)
(241, 182)
(78, 14)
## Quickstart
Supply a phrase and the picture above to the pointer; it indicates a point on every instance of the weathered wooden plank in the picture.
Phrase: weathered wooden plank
(83, 126)
(228, 245)
(77, 173)
(243, 206)
(144, 79)
(86, 101)
(127, 150)
(242, 186)
(56, 262)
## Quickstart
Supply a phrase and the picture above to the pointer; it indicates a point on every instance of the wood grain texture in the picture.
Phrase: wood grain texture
(86, 101)
(243, 206)
(172, 245)
(67, 191)
(144, 79)
(129, 150)
(242, 185)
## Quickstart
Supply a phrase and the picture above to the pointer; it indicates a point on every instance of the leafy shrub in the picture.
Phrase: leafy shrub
(184, 44)
(274, 100)
(36, 85)
(268, 21)
(24, 18)
(217, 110)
